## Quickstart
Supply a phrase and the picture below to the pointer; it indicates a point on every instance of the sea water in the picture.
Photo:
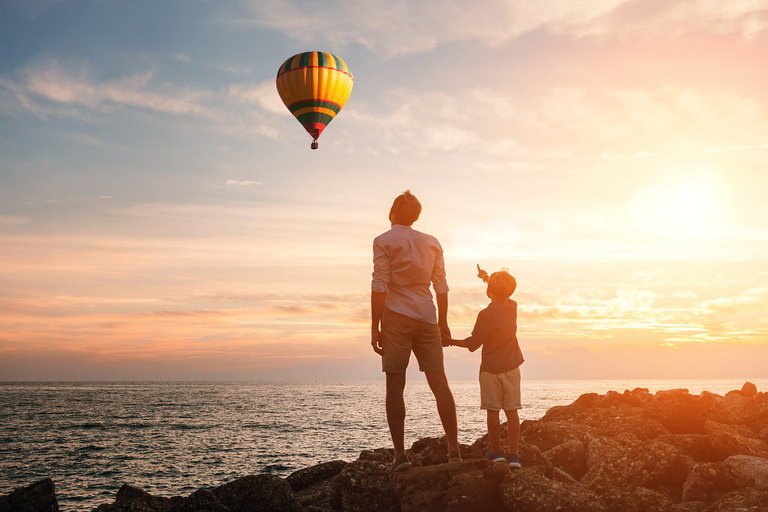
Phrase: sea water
(172, 438)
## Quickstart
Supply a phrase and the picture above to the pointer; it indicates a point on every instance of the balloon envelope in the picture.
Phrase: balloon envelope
(314, 86)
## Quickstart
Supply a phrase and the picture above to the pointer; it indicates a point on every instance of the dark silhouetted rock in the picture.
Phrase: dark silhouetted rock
(303, 478)
(709, 481)
(258, 493)
(133, 499)
(201, 500)
(753, 470)
(38, 497)
(528, 491)
(364, 486)
(467, 486)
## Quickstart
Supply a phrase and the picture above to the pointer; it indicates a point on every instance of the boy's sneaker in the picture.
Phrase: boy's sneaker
(496, 457)
(513, 460)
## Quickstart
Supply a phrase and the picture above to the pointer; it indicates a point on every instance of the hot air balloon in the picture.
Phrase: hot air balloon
(314, 86)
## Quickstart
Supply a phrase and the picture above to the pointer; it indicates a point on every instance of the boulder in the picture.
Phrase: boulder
(527, 490)
(636, 499)
(747, 499)
(38, 497)
(364, 486)
(732, 440)
(304, 478)
(682, 413)
(317, 497)
(748, 389)
(548, 434)
(709, 481)
(696, 446)
(201, 500)
(748, 410)
(133, 499)
(570, 456)
(258, 493)
(471, 485)
(602, 448)
(750, 469)
(650, 464)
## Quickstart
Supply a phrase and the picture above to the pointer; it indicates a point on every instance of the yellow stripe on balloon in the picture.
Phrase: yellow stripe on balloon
(315, 109)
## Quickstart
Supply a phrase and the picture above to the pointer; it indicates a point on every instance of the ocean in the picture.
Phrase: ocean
(172, 438)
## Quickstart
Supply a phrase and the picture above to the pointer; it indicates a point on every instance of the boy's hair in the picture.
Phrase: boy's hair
(405, 209)
(501, 283)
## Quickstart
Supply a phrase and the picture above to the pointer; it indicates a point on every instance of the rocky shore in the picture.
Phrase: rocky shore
(618, 452)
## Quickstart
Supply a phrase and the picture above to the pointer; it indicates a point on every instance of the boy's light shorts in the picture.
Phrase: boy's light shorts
(500, 390)
(401, 334)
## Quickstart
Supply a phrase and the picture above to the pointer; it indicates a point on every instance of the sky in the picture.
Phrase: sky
(162, 216)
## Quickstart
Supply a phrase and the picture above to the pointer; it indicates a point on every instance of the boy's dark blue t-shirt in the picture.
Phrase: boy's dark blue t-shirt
(496, 330)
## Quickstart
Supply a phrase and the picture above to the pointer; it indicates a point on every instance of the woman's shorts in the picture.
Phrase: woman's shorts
(500, 390)
(401, 334)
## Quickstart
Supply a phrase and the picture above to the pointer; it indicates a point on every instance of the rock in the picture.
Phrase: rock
(688, 506)
(303, 478)
(133, 499)
(527, 491)
(650, 464)
(201, 500)
(602, 448)
(750, 469)
(748, 389)
(731, 440)
(471, 485)
(38, 497)
(743, 500)
(317, 497)
(709, 481)
(364, 486)
(682, 413)
(748, 410)
(636, 499)
(258, 493)
(549, 434)
(696, 446)
(570, 456)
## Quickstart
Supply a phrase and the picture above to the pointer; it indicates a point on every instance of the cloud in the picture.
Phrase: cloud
(240, 183)
(397, 27)
(262, 94)
(54, 82)
(669, 19)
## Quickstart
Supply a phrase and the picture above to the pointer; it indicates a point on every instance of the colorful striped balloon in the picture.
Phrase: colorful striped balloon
(314, 86)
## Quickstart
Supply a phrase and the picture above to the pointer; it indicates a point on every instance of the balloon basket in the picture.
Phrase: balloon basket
(314, 144)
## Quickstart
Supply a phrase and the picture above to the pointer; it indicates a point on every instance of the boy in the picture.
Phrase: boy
(496, 330)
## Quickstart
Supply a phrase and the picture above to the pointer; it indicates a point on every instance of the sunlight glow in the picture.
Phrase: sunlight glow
(682, 209)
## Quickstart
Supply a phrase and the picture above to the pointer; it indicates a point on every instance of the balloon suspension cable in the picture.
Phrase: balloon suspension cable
(314, 144)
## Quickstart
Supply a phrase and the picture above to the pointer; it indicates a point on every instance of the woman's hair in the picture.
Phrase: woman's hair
(501, 283)
(405, 209)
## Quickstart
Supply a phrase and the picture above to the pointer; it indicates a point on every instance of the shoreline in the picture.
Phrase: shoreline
(679, 452)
